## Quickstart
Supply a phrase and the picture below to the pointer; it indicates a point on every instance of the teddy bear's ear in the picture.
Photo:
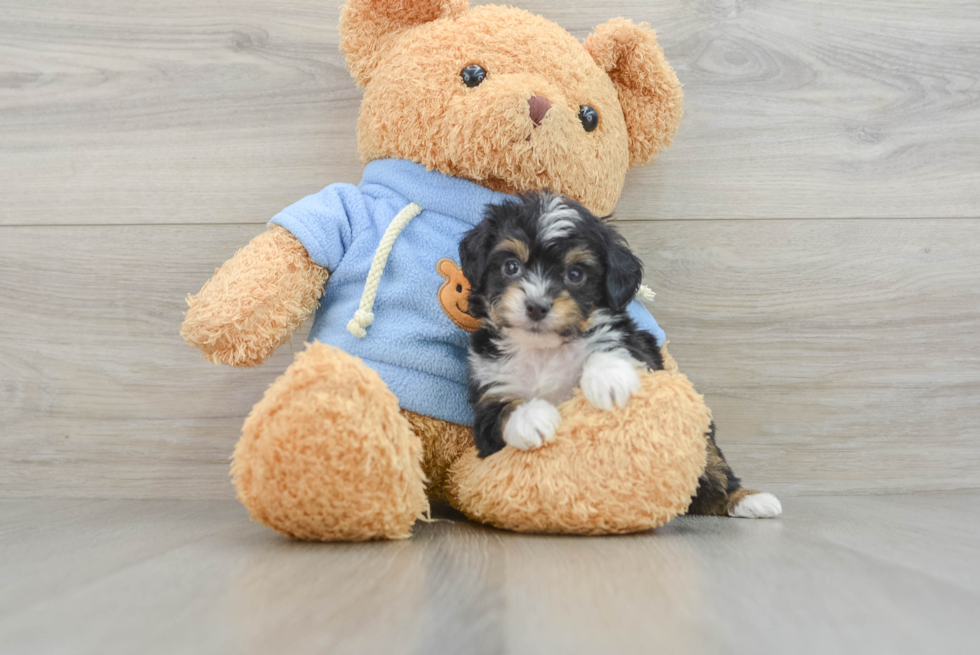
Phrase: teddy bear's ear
(369, 27)
(649, 91)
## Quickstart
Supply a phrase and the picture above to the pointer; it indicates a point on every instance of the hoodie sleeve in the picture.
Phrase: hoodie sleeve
(646, 322)
(325, 222)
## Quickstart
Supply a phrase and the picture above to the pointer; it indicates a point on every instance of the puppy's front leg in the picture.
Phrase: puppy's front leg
(531, 425)
(523, 425)
(609, 379)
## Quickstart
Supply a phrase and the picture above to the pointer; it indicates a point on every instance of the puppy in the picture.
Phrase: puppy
(550, 285)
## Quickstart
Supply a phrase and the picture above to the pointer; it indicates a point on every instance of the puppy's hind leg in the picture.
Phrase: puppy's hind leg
(720, 492)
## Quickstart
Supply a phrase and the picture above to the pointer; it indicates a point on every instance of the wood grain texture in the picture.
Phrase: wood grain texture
(101, 396)
(206, 111)
(868, 575)
(838, 356)
(842, 351)
(189, 111)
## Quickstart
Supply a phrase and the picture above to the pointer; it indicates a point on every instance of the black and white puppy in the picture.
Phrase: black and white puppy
(550, 283)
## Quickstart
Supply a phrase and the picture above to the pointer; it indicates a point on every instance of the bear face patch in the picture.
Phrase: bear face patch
(454, 295)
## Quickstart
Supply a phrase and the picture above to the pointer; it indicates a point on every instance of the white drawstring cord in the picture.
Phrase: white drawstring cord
(363, 317)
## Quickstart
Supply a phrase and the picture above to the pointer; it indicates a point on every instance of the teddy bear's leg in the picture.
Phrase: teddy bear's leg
(327, 455)
(605, 472)
(720, 492)
(442, 444)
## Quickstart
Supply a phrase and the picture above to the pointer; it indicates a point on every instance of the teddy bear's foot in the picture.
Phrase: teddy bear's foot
(605, 472)
(327, 455)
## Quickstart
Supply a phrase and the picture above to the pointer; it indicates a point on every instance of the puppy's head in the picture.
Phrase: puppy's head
(541, 265)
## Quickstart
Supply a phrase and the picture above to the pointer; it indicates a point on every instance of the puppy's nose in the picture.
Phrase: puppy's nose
(537, 309)
(539, 107)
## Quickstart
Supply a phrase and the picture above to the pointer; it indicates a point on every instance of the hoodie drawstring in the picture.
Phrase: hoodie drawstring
(363, 317)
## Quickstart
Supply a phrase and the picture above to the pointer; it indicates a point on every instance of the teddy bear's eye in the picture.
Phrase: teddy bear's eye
(589, 118)
(473, 75)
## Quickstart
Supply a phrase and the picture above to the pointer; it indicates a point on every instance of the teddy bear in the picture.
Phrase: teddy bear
(462, 107)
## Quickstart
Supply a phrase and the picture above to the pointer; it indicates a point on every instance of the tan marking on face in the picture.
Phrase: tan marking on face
(586, 323)
(516, 247)
(566, 312)
(509, 310)
(580, 255)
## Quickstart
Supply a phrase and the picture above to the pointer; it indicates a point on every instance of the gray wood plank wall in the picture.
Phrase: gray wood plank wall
(826, 301)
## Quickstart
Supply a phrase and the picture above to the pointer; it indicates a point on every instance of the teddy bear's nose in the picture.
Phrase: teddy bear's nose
(539, 107)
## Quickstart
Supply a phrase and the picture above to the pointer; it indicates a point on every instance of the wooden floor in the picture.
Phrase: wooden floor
(863, 575)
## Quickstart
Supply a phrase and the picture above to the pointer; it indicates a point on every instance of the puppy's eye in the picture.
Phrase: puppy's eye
(575, 276)
(589, 118)
(473, 75)
(512, 268)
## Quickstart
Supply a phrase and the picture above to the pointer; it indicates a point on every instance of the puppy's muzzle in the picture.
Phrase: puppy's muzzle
(537, 310)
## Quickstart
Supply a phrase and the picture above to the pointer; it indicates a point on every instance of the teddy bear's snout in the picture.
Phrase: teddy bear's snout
(539, 106)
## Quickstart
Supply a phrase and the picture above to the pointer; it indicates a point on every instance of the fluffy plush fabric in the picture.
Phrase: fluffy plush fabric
(326, 454)
(255, 301)
(300, 465)
(368, 28)
(443, 443)
(604, 473)
(649, 91)
(669, 364)
(409, 56)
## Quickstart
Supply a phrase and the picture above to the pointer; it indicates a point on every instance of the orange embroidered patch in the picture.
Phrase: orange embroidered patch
(454, 295)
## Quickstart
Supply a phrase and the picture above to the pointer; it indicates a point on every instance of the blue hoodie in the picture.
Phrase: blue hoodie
(412, 343)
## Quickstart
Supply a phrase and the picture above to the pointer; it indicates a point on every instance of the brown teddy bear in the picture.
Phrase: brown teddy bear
(461, 108)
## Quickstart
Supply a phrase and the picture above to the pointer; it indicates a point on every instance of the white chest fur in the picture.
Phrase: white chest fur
(535, 370)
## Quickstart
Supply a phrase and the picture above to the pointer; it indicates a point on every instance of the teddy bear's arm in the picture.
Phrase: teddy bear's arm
(255, 301)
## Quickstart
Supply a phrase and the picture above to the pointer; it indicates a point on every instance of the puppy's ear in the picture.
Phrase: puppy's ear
(624, 274)
(649, 92)
(368, 28)
(474, 255)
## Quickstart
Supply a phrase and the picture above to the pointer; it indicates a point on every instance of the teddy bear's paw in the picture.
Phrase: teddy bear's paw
(532, 425)
(757, 506)
(609, 380)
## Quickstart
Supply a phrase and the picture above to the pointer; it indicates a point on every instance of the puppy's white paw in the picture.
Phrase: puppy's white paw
(757, 506)
(609, 380)
(532, 425)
